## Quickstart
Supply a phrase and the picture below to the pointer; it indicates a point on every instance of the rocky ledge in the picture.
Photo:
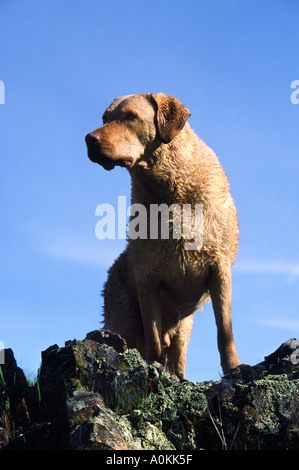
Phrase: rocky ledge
(98, 394)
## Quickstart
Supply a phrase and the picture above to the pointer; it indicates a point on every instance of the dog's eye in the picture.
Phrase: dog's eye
(130, 116)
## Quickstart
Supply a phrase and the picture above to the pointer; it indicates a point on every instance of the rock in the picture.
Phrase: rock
(13, 388)
(97, 394)
(93, 426)
(288, 352)
(110, 339)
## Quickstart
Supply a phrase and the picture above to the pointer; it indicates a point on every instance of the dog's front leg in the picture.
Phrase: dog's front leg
(151, 316)
(220, 292)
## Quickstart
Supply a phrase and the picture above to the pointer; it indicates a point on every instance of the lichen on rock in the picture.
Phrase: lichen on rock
(96, 393)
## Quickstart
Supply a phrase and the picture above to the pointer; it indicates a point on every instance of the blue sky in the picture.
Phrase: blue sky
(231, 63)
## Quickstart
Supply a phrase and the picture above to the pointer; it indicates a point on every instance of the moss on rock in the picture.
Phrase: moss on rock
(93, 395)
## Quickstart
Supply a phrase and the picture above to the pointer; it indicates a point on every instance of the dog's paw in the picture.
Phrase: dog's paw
(239, 368)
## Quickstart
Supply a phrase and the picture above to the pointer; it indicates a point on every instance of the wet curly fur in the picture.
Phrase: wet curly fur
(155, 286)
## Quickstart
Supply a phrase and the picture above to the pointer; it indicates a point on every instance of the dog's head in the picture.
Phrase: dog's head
(133, 126)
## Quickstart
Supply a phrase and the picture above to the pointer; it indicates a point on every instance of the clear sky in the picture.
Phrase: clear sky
(62, 62)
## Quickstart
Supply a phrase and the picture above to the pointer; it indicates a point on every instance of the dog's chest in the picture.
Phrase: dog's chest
(180, 279)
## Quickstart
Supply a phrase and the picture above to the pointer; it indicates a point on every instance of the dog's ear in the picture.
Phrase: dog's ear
(171, 116)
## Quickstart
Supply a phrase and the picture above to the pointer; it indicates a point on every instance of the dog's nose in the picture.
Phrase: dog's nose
(92, 138)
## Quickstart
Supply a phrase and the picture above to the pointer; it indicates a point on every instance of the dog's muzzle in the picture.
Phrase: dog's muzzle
(98, 154)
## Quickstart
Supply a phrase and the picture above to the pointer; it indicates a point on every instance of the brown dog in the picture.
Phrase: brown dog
(156, 284)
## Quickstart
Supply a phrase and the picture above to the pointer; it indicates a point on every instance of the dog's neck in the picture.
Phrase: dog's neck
(163, 175)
